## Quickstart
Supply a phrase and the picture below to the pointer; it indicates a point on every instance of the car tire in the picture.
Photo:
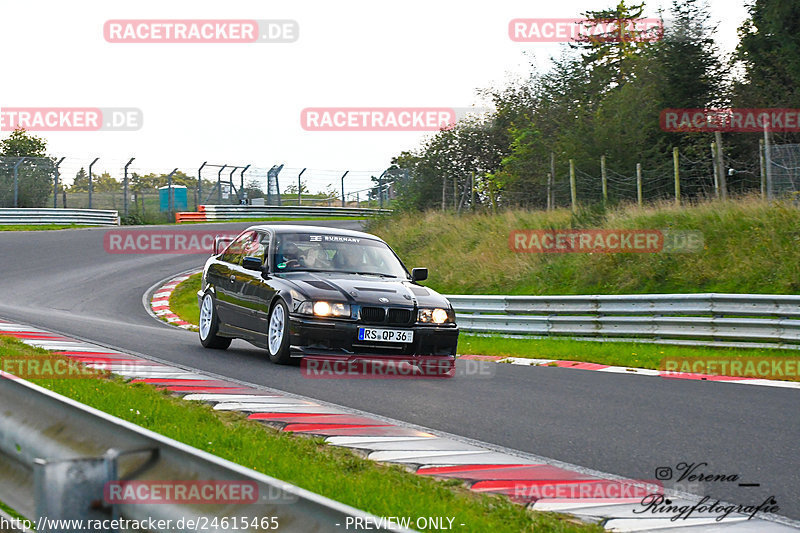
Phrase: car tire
(209, 325)
(278, 333)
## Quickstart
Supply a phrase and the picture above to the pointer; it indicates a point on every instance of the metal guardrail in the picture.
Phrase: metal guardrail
(690, 318)
(232, 212)
(56, 455)
(88, 217)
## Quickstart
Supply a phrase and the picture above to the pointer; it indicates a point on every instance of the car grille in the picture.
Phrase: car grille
(373, 314)
(379, 315)
(398, 316)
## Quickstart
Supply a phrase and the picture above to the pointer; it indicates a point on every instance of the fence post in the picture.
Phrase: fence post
(572, 189)
(125, 189)
(768, 162)
(90, 180)
(231, 187)
(219, 185)
(300, 188)
(444, 189)
(551, 198)
(723, 186)
(604, 179)
(16, 181)
(343, 175)
(762, 169)
(241, 178)
(472, 192)
(170, 196)
(455, 193)
(55, 184)
(714, 165)
(199, 191)
(676, 166)
(639, 184)
(380, 190)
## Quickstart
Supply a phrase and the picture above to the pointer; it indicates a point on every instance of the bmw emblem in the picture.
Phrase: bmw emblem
(383, 300)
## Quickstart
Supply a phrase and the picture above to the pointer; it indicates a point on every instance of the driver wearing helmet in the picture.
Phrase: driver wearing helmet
(290, 256)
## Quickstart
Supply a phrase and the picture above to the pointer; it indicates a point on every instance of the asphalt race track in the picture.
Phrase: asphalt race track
(622, 424)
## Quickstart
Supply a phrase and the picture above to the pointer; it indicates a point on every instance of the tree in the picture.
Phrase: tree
(689, 67)
(292, 189)
(608, 52)
(81, 182)
(22, 144)
(254, 190)
(35, 173)
(769, 49)
(105, 183)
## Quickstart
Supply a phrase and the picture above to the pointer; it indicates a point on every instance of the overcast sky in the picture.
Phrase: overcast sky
(241, 103)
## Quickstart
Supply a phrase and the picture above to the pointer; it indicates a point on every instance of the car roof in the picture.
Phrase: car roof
(297, 228)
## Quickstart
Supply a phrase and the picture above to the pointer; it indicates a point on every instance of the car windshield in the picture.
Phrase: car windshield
(335, 253)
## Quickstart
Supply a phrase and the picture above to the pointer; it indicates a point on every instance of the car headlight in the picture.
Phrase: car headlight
(322, 308)
(433, 316)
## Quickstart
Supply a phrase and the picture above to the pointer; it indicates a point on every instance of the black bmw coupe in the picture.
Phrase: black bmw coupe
(300, 291)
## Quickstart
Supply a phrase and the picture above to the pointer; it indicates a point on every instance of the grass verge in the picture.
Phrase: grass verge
(269, 219)
(183, 300)
(41, 227)
(307, 462)
(628, 354)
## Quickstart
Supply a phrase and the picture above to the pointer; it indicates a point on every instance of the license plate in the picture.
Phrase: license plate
(385, 335)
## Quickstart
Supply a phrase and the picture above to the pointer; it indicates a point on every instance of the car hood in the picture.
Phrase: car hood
(363, 289)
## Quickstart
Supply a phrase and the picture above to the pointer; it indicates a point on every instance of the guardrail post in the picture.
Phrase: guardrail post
(55, 184)
(16, 181)
(96, 159)
(125, 189)
(70, 489)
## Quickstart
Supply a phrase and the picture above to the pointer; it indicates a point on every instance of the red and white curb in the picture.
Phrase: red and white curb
(629, 370)
(425, 452)
(159, 303)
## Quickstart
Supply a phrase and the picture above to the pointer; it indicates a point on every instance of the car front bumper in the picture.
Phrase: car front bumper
(311, 336)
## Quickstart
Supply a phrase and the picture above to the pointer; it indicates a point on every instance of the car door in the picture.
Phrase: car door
(230, 279)
(257, 293)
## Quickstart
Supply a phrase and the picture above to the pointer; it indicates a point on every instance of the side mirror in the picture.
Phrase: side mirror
(220, 243)
(252, 263)
(419, 274)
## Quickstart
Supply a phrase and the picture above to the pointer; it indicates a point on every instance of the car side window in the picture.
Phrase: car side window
(257, 247)
(234, 252)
